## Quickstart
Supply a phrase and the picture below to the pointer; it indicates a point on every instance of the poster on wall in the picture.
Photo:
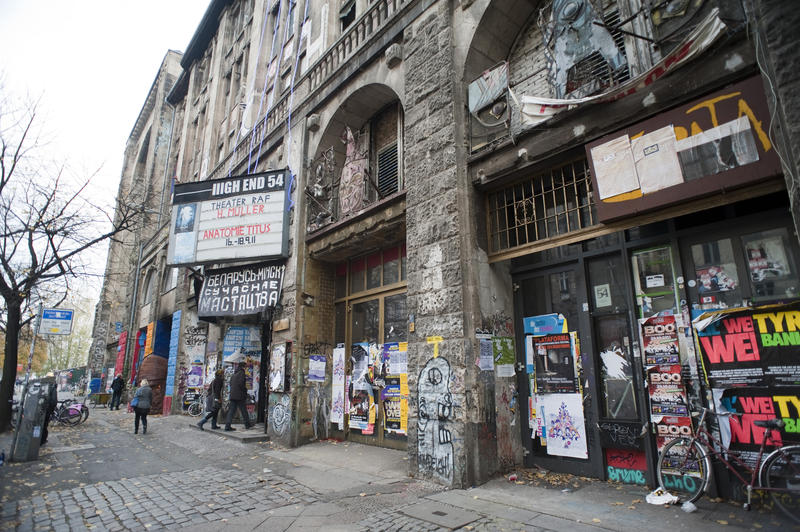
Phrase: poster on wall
(211, 368)
(361, 403)
(504, 357)
(396, 357)
(756, 346)
(759, 403)
(554, 363)
(395, 406)
(660, 340)
(666, 390)
(565, 427)
(337, 387)
(277, 365)
(670, 427)
(316, 368)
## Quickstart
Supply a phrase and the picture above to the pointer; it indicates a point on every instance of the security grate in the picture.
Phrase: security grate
(549, 204)
(387, 170)
(593, 74)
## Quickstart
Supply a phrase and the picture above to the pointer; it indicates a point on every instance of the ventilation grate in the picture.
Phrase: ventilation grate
(387, 170)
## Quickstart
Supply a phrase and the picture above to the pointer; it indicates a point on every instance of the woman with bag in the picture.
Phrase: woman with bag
(213, 401)
(141, 405)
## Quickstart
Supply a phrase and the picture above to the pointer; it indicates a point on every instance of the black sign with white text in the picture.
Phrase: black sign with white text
(241, 290)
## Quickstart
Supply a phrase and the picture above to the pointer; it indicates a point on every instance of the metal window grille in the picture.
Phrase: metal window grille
(547, 205)
(594, 74)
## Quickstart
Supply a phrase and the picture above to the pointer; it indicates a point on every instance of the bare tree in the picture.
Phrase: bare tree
(46, 226)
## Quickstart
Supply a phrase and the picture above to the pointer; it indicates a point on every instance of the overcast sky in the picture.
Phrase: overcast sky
(92, 62)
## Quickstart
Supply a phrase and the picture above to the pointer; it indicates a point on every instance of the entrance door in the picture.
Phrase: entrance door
(561, 291)
(378, 327)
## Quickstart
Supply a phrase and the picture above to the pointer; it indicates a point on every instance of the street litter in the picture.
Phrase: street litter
(659, 496)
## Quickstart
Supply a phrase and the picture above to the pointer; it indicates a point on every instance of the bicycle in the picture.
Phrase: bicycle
(684, 466)
(196, 407)
(67, 414)
(82, 406)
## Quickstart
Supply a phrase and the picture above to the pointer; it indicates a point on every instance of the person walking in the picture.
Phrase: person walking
(49, 408)
(238, 398)
(213, 401)
(117, 386)
(141, 405)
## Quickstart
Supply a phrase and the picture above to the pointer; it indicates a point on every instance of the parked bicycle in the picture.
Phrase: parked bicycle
(684, 466)
(197, 406)
(82, 406)
(67, 414)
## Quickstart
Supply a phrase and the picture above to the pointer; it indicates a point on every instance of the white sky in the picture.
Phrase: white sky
(92, 62)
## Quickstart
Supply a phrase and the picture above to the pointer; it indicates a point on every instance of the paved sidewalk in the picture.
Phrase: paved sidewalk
(99, 476)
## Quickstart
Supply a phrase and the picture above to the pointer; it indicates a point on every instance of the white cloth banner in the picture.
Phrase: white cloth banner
(536, 110)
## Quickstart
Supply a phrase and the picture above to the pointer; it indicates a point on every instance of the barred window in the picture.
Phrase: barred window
(549, 204)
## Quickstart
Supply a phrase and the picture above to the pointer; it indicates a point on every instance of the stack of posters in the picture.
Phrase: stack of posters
(669, 407)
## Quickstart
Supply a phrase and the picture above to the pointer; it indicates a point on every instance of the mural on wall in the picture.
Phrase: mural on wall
(435, 410)
(351, 183)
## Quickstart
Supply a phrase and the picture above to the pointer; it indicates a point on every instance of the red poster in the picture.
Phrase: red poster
(671, 427)
(660, 340)
(667, 393)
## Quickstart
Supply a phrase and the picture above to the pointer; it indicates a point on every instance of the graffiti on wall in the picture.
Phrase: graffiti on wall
(281, 415)
(435, 410)
(626, 466)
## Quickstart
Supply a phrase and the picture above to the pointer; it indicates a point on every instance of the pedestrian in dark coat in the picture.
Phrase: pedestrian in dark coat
(143, 398)
(213, 400)
(117, 386)
(50, 407)
(238, 399)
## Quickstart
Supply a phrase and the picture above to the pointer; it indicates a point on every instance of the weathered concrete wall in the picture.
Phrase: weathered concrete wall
(448, 419)
(775, 24)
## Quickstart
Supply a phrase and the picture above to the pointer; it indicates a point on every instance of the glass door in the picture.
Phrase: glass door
(378, 373)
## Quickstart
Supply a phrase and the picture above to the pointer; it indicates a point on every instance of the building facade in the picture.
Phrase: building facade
(498, 220)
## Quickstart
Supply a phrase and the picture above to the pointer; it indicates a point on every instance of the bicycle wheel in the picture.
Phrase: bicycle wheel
(781, 470)
(70, 415)
(195, 409)
(684, 469)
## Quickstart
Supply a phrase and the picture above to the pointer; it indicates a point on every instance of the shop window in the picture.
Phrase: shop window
(373, 270)
(357, 275)
(341, 319)
(382, 268)
(391, 265)
(366, 317)
(770, 267)
(340, 282)
(716, 278)
(550, 204)
(395, 320)
(653, 281)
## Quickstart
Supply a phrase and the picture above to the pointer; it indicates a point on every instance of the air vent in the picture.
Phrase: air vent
(387, 170)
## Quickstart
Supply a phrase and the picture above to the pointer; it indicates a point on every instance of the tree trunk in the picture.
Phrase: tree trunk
(9, 363)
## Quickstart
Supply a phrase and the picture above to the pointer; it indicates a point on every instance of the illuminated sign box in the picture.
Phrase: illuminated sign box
(231, 219)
